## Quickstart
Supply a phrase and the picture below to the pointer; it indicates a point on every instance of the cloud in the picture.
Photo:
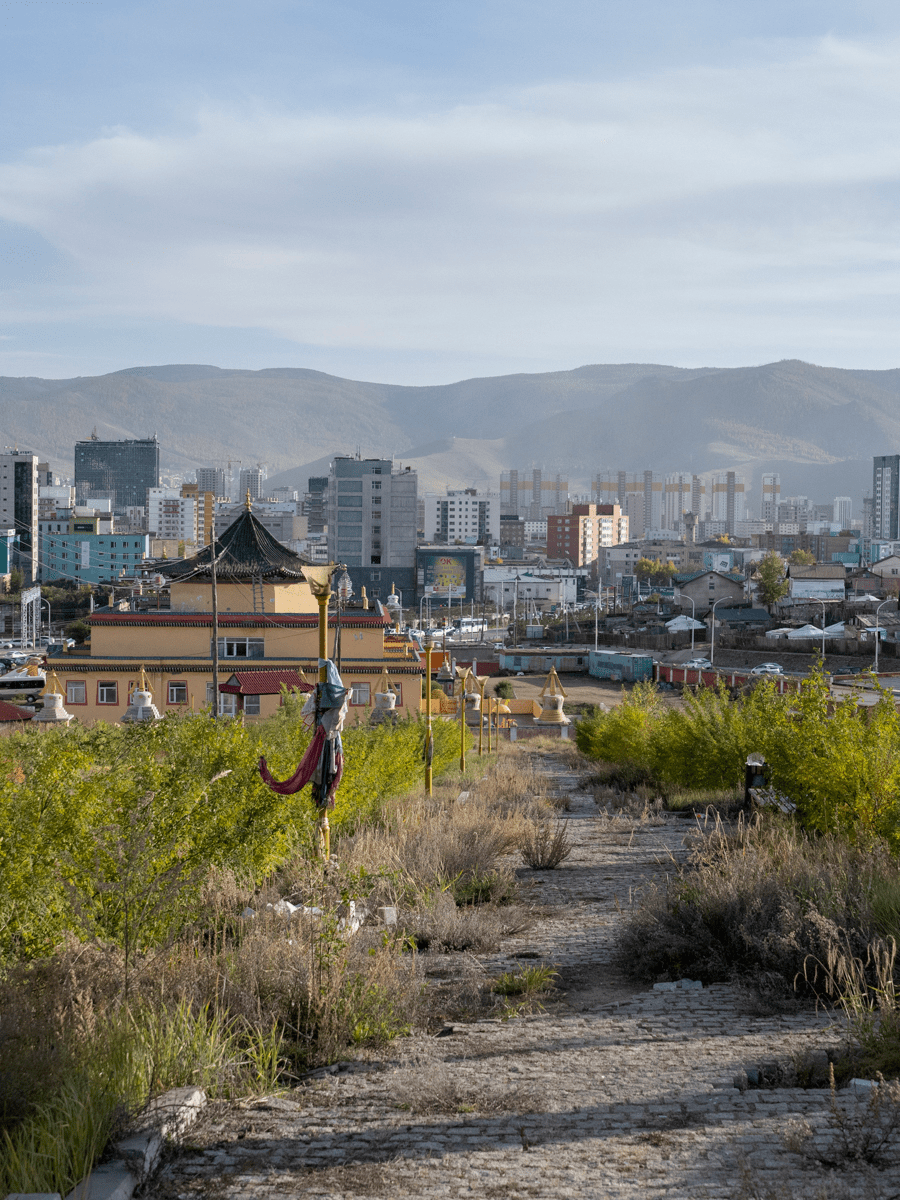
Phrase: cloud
(665, 211)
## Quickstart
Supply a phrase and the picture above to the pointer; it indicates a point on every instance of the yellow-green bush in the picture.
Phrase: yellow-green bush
(111, 830)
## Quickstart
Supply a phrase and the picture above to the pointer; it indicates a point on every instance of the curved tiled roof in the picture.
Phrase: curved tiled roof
(246, 550)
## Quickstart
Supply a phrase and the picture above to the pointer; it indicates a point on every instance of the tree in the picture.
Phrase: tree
(802, 558)
(16, 580)
(770, 579)
(644, 568)
(79, 630)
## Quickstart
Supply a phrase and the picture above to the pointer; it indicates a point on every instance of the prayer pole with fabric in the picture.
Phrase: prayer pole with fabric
(429, 732)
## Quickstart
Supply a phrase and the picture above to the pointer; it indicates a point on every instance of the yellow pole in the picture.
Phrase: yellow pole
(462, 722)
(429, 735)
(481, 718)
(490, 720)
(324, 828)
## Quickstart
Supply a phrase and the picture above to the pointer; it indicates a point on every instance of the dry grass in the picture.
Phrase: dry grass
(428, 1085)
(759, 902)
(546, 845)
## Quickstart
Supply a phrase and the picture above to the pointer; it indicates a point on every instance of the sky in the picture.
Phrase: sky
(422, 192)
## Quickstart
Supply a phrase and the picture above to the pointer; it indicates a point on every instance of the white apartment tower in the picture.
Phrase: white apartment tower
(251, 480)
(842, 514)
(465, 515)
(171, 515)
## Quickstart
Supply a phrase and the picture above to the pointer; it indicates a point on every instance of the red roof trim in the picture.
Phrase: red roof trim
(11, 712)
(251, 620)
(264, 683)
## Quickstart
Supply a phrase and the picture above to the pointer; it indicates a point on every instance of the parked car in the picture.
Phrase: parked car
(768, 669)
(698, 664)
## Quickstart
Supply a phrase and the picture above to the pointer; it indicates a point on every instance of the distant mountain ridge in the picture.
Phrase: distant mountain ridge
(820, 426)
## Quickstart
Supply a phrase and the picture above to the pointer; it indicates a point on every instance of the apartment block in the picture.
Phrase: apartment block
(467, 516)
(212, 479)
(531, 495)
(251, 480)
(84, 557)
(580, 534)
(171, 515)
(370, 511)
(19, 508)
(204, 511)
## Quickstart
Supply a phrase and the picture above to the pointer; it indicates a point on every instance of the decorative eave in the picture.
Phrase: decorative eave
(196, 666)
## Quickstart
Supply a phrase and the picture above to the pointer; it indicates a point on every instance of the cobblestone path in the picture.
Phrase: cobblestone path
(632, 1091)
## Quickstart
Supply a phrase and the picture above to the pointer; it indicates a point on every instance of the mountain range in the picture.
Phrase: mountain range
(818, 426)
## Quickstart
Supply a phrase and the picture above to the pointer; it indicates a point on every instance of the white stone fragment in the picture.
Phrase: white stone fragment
(248, 913)
(665, 987)
(388, 915)
(862, 1085)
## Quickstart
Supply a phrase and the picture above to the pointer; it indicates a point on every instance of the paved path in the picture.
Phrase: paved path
(612, 1093)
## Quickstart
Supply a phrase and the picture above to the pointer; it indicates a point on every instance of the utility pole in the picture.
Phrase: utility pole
(215, 620)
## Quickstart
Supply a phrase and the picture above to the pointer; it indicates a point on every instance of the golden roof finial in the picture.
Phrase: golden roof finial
(248, 503)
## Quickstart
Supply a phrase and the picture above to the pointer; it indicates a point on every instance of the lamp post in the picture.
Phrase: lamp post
(49, 619)
(429, 734)
(712, 643)
(877, 639)
(693, 618)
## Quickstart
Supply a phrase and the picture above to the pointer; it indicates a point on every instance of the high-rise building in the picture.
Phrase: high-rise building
(885, 497)
(314, 502)
(770, 497)
(531, 496)
(124, 471)
(727, 500)
(462, 516)
(19, 507)
(684, 493)
(212, 479)
(251, 480)
(371, 511)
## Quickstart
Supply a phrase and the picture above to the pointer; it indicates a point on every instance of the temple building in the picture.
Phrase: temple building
(267, 636)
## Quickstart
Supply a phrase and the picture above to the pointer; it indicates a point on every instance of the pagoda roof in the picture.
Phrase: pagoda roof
(245, 551)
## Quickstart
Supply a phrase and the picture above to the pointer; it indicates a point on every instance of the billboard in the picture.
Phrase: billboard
(445, 574)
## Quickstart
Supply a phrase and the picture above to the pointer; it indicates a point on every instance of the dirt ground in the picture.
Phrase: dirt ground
(580, 689)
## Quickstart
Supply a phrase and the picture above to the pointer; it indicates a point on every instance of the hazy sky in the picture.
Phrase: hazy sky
(421, 192)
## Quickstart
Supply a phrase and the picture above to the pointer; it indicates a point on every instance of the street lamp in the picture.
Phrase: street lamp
(49, 619)
(712, 640)
(678, 596)
(877, 639)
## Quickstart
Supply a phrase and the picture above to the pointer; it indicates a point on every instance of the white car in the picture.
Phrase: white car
(698, 664)
(768, 669)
